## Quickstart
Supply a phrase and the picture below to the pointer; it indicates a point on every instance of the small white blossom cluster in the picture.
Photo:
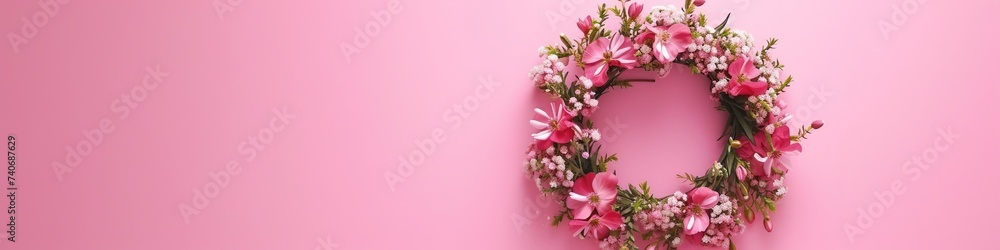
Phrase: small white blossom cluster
(772, 188)
(779, 187)
(548, 170)
(593, 134)
(549, 72)
(665, 218)
(585, 105)
(665, 15)
(716, 169)
(708, 52)
(764, 110)
(643, 53)
(725, 222)
(611, 243)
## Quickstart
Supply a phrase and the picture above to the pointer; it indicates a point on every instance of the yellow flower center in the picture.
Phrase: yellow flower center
(594, 199)
(696, 210)
(594, 222)
(664, 36)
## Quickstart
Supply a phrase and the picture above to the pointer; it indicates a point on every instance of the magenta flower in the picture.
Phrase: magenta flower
(763, 156)
(597, 226)
(700, 201)
(585, 24)
(667, 41)
(604, 53)
(634, 10)
(741, 71)
(558, 128)
(592, 191)
(817, 124)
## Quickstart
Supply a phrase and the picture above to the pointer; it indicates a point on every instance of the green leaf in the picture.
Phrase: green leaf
(557, 219)
(729, 123)
(770, 204)
(723, 24)
(747, 130)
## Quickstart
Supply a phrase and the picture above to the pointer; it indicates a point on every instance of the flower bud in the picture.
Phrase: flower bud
(767, 224)
(741, 174)
(748, 214)
(745, 195)
(732, 246)
(585, 24)
(817, 124)
(634, 10)
(699, 3)
(735, 144)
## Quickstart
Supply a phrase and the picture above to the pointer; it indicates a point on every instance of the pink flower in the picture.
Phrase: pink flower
(667, 41)
(741, 71)
(764, 156)
(597, 226)
(585, 24)
(634, 10)
(558, 128)
(699, 3)
(697, 220)
(603, 53)
(593, 191)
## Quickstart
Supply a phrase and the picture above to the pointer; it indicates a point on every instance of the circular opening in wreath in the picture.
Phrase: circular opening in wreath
(662, 128)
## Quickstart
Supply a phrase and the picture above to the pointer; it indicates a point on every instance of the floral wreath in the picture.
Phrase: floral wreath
(566, 164)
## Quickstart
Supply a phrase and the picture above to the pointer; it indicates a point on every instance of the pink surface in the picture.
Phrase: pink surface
(316, 177)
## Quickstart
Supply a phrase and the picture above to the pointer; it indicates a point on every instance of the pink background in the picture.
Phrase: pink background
(321, 179)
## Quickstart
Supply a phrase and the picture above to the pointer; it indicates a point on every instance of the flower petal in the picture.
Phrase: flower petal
(595, 51)
(680, 36)
(644, 37)
(612, 220)
(597, 72)
(759, 157)
(542, 113)
(563, 135)
(583, 212)
(584, 185)
(661, 52)
(704, 197)
(735, 88)
(782, 164)
(696, 223)
(538, 124)
(657, 29)
(604, 206)
(794, 147)
(767, 166)
(606, 184)
(543, 135)
(736, 67)
(601, 232)
(543, 144)
(754, 88)
(749, 69)
(578, 226)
